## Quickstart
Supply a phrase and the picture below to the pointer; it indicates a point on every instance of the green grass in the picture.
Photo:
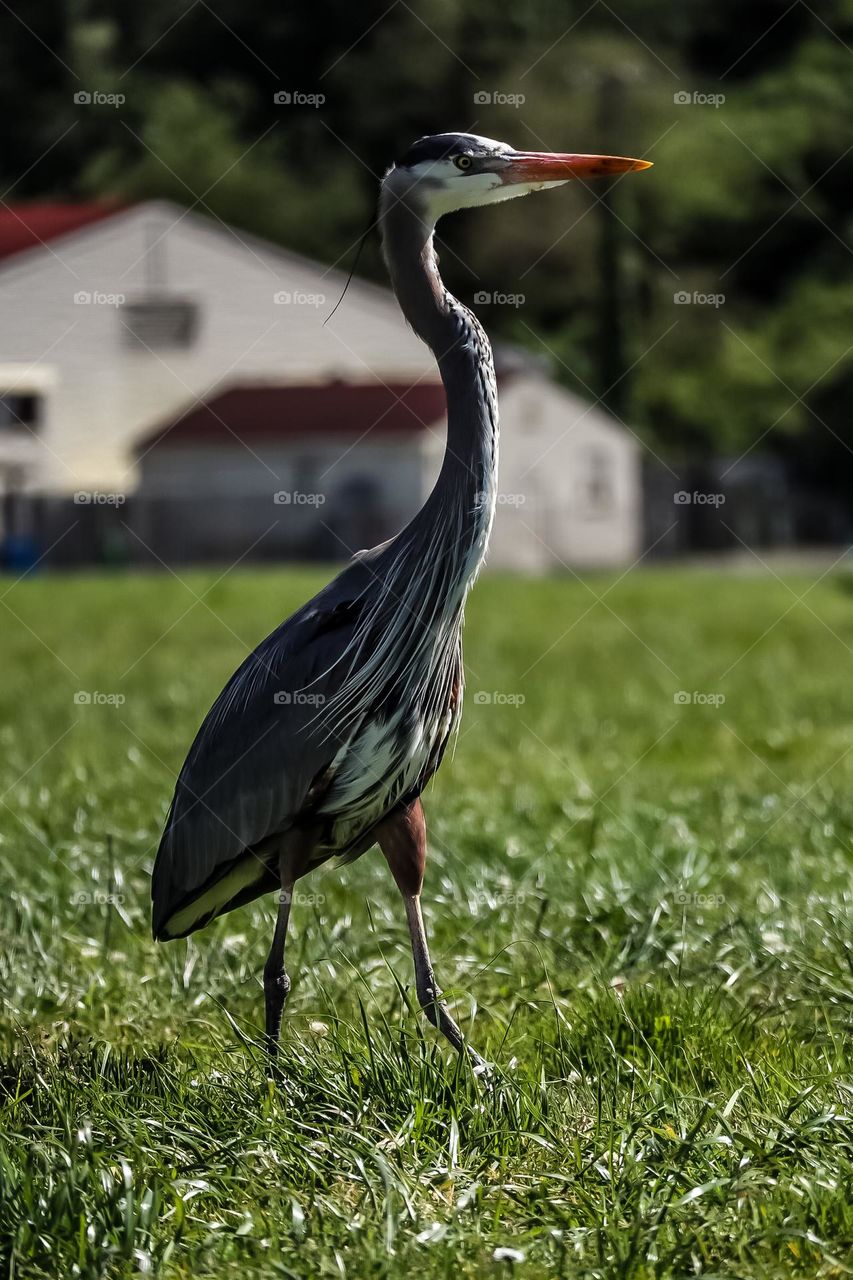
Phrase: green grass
(640, 911)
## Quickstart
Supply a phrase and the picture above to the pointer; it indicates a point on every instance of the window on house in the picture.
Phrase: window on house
(595, 475)
(159, 324)
(19, 410)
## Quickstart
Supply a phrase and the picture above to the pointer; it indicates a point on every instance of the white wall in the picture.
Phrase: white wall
(548, 513)
(197, 470)
(547, 517)
(105, 395)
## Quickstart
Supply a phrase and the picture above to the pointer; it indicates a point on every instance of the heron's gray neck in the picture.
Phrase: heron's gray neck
(407, 658)
(468, 479)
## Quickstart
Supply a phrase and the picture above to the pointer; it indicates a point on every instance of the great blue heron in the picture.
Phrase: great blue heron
(322, 741)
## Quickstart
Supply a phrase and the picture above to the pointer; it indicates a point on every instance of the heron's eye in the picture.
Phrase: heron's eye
(462, 162)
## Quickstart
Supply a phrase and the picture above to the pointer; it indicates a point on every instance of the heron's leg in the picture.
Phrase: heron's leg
(402, 839)
(292, 864)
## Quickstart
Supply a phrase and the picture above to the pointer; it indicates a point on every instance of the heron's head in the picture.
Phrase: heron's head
(449, 171)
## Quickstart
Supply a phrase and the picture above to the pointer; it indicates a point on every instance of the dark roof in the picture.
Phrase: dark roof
(357, 410)
(24, 226)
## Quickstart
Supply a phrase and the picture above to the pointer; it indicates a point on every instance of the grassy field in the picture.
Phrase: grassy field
(640, 907)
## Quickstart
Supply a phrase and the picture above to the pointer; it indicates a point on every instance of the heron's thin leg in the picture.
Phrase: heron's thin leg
(402, 839)
(293, 861)
(276, 980)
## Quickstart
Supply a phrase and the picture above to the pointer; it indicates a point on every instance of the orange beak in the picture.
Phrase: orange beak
(545, 166)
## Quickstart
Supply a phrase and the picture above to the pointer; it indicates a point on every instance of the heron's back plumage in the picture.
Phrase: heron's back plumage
(339, 715)
(253, 761)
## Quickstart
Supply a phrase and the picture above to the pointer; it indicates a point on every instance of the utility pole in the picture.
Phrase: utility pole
(611, 288)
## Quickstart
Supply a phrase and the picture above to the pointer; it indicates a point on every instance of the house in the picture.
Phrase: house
(148, 351)
(326, 469)
(114, 318)
(317, 470)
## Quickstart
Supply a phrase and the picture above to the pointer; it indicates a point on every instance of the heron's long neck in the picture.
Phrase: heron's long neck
(408, 656)
(462, 502)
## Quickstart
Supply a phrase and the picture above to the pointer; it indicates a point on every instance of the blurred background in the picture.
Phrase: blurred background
(184, 188)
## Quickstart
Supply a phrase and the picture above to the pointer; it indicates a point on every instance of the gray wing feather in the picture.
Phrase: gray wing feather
(260, 747)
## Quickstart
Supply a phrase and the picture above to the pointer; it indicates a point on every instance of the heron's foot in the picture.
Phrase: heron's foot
(437, 1012)
(482, 1069)
(479, 1065)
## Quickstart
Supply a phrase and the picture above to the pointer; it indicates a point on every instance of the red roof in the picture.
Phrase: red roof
(23, 226)
(359, 410)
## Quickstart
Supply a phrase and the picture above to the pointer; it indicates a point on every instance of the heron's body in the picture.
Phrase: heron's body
(322, 742)
(350, 703)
